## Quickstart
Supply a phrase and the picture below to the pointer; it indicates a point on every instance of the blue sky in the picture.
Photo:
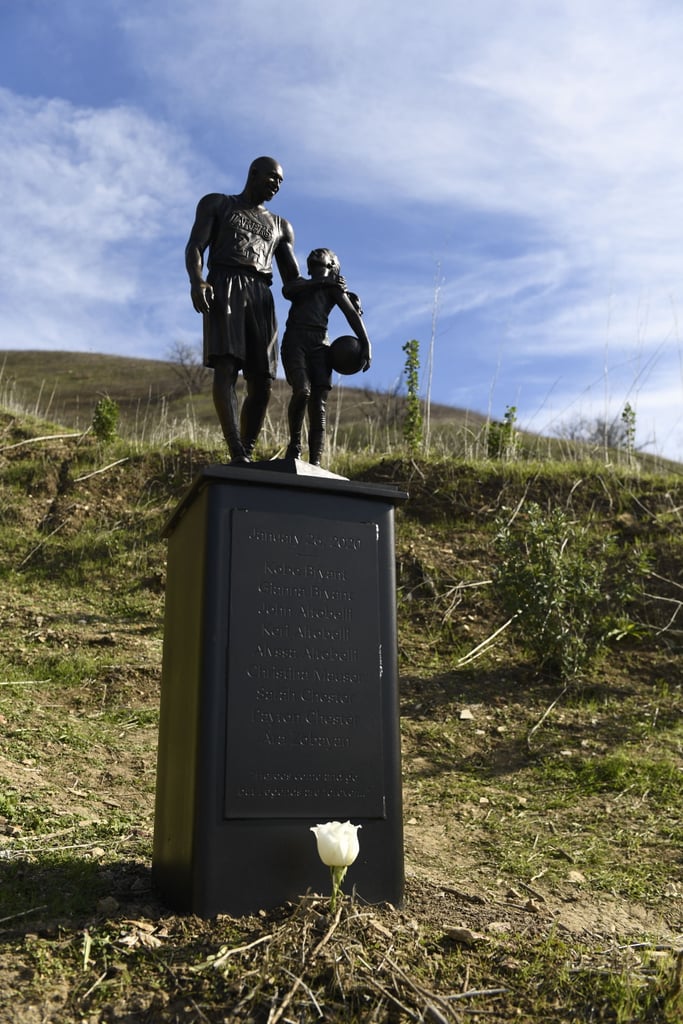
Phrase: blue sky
(512, 172)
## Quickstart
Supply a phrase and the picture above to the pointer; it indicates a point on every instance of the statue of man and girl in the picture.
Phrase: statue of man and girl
(240, 327)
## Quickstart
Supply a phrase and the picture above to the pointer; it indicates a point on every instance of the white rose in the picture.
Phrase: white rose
(338, 844)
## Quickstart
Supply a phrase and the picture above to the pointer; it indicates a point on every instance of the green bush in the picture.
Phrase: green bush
(412, 424)
(502, 439)
(105, 419)
(567, 586)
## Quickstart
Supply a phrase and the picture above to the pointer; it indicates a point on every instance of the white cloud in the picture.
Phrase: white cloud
(89, 196)
(564, 114)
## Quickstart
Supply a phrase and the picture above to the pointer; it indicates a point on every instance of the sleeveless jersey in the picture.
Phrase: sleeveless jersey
(243, 237)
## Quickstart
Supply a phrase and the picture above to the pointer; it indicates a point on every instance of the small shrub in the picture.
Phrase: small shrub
(412, 424)
(105, 419)
(568, 587)
(628, 419)
(502, 439)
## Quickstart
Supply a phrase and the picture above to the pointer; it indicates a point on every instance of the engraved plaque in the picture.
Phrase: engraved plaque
(304, 725)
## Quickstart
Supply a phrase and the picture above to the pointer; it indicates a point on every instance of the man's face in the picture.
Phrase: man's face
(266, 181)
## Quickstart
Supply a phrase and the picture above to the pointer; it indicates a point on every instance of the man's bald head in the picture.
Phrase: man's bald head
(264, 179)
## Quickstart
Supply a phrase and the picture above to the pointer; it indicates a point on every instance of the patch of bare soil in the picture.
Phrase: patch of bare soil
(450, 890)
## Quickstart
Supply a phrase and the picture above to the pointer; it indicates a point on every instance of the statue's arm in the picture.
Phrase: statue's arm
(295, 287)
(200, 236)
(284, 255)
(356, 324)
(302, 284)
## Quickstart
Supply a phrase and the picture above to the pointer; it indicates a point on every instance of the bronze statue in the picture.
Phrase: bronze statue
(306, 347)
(240, 327)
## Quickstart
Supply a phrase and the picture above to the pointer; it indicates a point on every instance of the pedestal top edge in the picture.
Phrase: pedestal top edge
(270, 476)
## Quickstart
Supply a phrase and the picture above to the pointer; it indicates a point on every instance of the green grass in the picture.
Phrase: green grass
(660, 781)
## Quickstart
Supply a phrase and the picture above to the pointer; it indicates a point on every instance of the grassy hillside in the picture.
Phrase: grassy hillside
(159, 399)
(542, 820)
(164, 400)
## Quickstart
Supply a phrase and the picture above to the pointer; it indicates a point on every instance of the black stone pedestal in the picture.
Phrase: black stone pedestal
(279, 700)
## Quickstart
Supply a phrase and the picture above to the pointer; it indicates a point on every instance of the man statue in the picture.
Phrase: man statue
(240, 328)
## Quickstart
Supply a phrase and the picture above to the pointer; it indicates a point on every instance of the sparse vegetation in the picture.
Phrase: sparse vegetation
(604, 435)
(566, 586)
(412, 422)
(502, 438)
(628, 420)
(186, 362)
(156, 410)
(543, 883)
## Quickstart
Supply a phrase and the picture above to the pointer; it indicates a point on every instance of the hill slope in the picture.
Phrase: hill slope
(64, 386)
(543, 864)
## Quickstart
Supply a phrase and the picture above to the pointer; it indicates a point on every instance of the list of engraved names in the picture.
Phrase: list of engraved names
(304, 669)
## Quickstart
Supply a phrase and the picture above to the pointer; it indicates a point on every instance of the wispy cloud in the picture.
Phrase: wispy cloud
(91, 200)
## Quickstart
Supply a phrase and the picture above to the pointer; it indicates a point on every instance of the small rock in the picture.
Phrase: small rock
(464, 936)
(108, 905)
